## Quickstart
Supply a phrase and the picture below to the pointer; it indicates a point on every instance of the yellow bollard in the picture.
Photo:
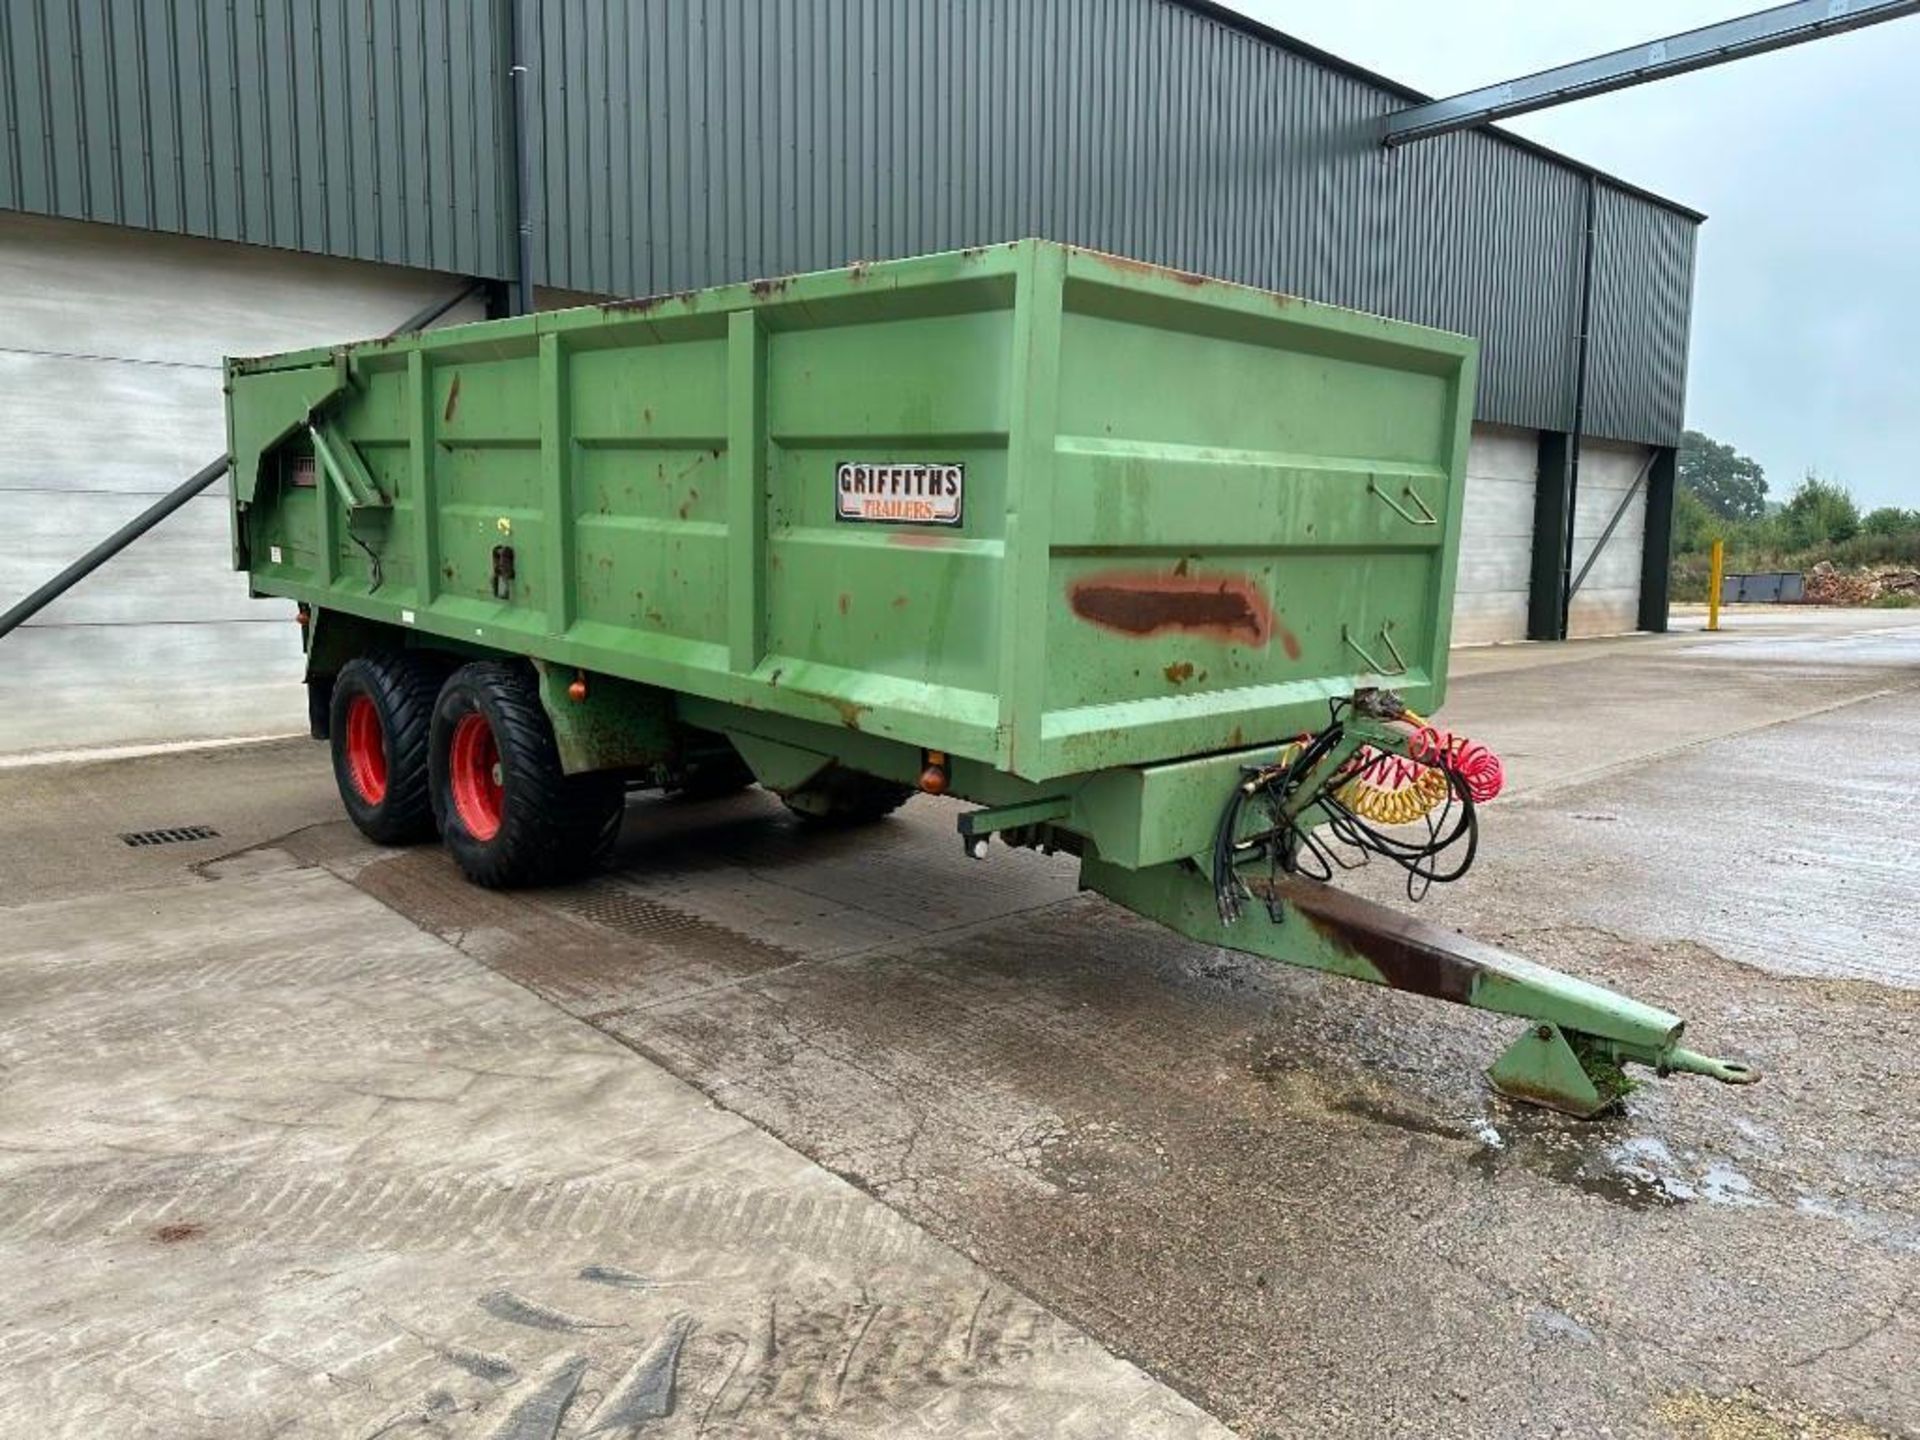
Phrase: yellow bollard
(1714, 569)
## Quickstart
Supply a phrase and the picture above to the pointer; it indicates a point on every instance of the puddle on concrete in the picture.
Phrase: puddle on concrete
(1636, 1172)
(1603, 1158)
(1725, 1185)
(1546, 1323)
(1862, 1222)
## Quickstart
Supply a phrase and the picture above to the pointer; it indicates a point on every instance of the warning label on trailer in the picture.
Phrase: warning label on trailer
(899, 493)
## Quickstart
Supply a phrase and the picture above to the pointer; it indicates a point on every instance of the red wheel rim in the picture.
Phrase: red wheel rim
(366, 751)
(473, 766)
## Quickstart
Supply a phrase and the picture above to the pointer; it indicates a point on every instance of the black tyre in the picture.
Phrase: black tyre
(378, 723)
(847, 797)
(507, 812)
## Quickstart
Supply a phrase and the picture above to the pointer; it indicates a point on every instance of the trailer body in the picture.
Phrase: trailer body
(1078, 539)
(1175, 515)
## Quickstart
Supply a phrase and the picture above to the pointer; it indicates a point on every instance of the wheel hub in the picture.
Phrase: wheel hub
(476, 777)
(366, 750)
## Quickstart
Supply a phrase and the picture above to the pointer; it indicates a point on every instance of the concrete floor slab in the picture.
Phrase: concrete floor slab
(1290, 1197)
(273, 1162)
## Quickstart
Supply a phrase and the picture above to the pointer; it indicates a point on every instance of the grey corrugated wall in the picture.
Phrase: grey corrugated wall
(1637, 380)
(686, 142)
(369, 130)
(731, 139)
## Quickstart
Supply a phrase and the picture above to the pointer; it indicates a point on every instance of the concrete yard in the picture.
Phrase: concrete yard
(769, 1133)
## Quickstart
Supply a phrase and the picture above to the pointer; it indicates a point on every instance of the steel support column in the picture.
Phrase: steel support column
(519, 179)
(1656, 557)
(1552, 518)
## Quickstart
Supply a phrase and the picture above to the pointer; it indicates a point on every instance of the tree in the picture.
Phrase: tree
(1820, 512)
(1730, 484)
(1694, 526)
(1890, 520)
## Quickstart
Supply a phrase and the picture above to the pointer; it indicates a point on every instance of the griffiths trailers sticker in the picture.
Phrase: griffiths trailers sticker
(899, 493)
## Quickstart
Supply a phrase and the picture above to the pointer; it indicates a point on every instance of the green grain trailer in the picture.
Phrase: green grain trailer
(1079, 540)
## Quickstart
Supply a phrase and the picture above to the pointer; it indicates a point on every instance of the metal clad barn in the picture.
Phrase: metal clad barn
(152, 151)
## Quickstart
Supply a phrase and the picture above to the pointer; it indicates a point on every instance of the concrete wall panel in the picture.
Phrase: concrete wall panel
(74, 687)
(86, 289)
(1608, 601)
(110, 349)
(178, 572)
(1496, 536)
(104, 424)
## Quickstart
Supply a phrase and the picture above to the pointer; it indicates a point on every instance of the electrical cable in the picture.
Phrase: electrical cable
(1437, 785)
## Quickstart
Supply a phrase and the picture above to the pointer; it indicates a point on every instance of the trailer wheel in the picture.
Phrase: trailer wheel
(377, 721)
(842, 798)
(509, 814)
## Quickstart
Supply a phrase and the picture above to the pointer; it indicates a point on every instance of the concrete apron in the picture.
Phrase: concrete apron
(1289, 1196)
(275, 1162)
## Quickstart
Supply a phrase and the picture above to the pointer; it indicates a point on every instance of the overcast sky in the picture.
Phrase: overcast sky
(1806, 320)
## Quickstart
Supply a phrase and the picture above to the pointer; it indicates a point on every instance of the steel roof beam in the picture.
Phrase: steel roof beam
(1637, 64)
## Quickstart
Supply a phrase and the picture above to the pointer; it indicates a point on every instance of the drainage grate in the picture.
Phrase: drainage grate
(621, 909)
(615, 907)
(172, 836)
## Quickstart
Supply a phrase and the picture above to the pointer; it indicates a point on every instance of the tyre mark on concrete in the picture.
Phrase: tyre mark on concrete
(438, 1213)
(810, 1356)
(538, 1416)
(495, 1369)
(507, 1305)
(616, 1276)
(645, 1392)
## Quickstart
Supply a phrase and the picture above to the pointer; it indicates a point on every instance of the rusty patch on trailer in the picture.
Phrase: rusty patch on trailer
(1289, 641)
(174, 1233)
(850, 710)
(1180, 671)
(919, 539)
(1141, 603)
(1142, 267)
(761, 289)
(845, 600)
(453, 400)
(640, 304)
(1410, 954)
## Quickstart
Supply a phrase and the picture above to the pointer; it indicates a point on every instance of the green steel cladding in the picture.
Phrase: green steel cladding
(686, 143)
(1192, 511)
